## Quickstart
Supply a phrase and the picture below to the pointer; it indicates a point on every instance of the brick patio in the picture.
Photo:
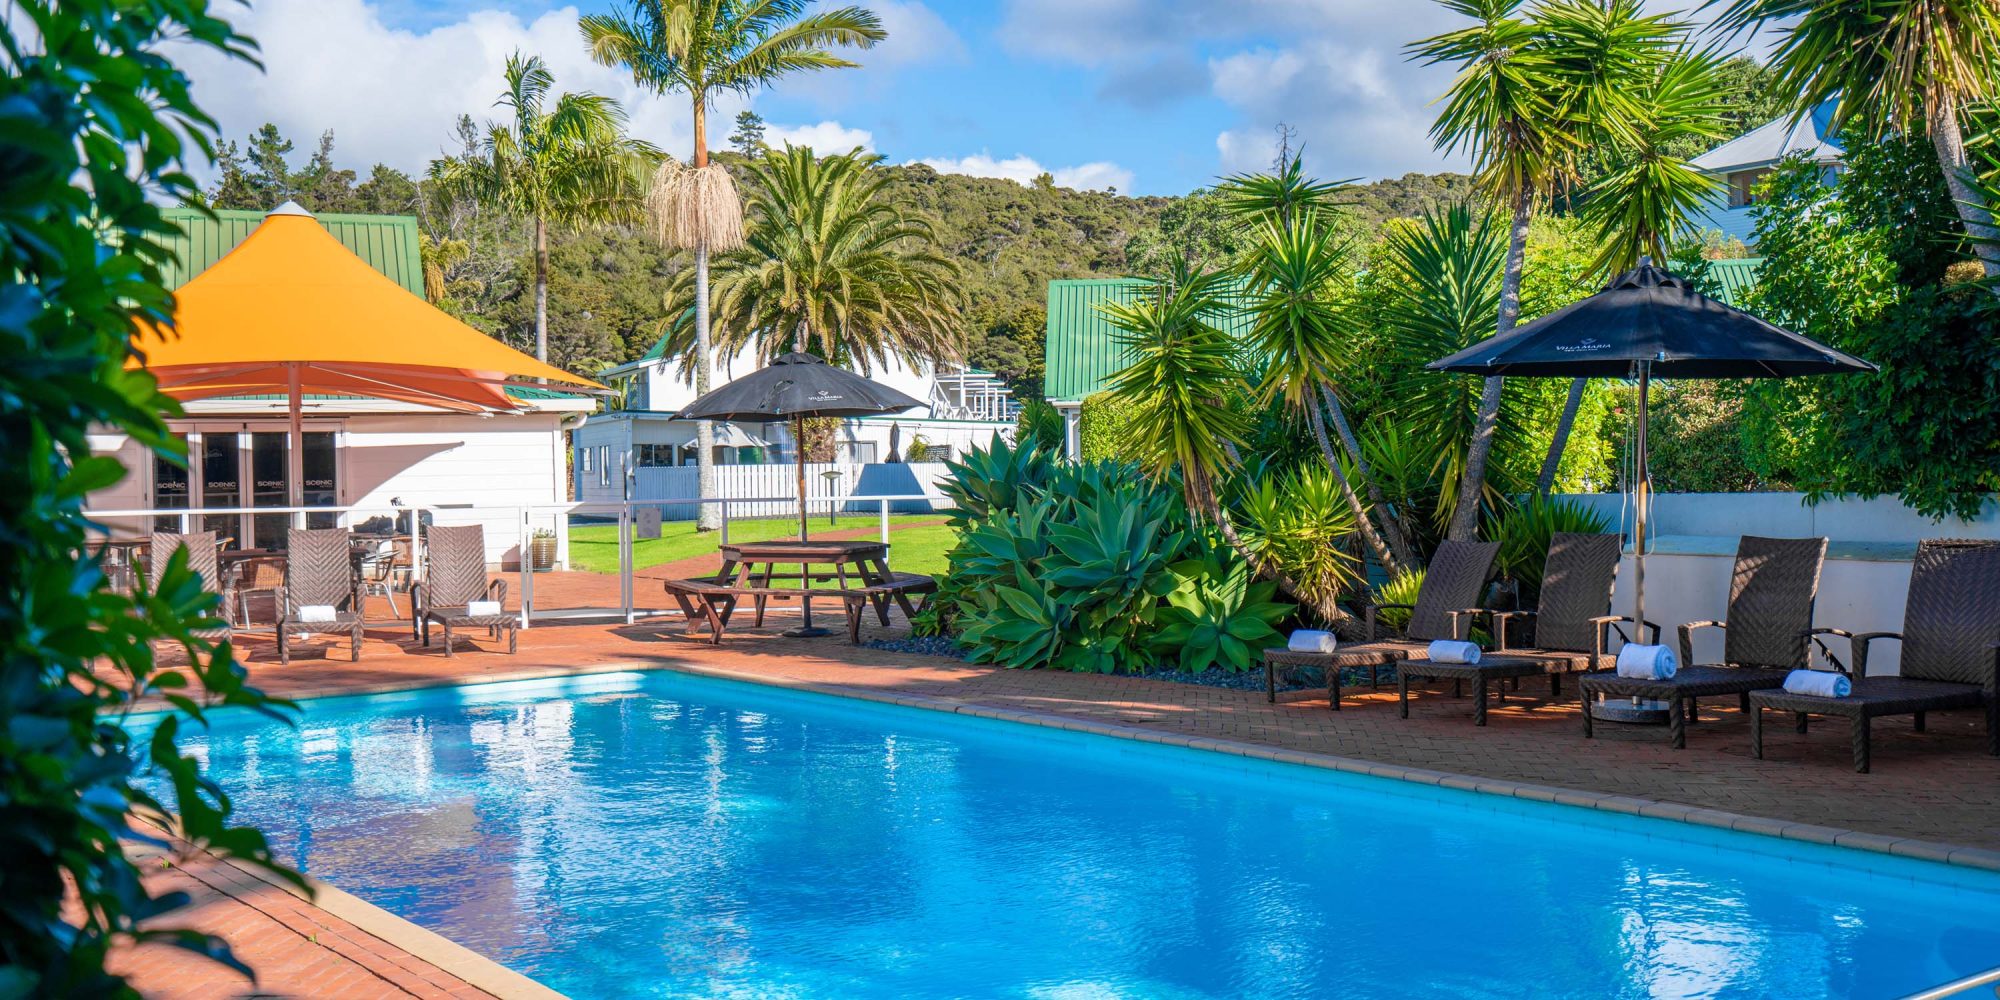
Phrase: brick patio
(1929, 791)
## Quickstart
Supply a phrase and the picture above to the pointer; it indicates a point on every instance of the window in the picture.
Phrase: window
(604, 465)
(583, 458)
(860, 452)
(652, 456)
(1743, 186)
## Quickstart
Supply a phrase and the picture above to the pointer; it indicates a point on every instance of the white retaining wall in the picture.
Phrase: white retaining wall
(757, 481)
(1692, 544)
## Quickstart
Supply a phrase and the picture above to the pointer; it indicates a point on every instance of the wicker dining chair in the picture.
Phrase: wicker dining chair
(454, 577)
(1446, 606)
(203, 559)
(1766, 636)
(319, 572)
(1950, 636)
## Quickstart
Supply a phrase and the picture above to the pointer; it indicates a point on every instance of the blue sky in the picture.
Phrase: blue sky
(1149, 96)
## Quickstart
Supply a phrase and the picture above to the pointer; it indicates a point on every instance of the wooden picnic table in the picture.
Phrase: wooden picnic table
(849, 565)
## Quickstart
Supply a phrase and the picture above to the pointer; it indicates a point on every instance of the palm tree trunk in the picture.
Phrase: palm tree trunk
(1949, 141)
(709, 517)
(1465, 517)
(1557, 444)
(1394, 531)
(1376, 546)
(541, 290)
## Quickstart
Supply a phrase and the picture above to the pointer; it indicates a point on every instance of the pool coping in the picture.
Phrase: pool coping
(1960, 855)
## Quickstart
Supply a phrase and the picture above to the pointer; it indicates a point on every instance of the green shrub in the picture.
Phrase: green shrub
(1524, 532)
(1300, 521)
(1400, 590)
(1104, 429)
(1041, 425)
(1218, 614)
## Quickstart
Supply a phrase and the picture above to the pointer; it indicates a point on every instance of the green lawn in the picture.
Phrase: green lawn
(917, 542)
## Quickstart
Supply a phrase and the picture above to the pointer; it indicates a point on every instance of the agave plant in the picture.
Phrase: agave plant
(996, 479)
(1218, 614)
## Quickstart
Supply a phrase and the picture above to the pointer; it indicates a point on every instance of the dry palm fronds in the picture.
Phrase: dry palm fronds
(692, 207)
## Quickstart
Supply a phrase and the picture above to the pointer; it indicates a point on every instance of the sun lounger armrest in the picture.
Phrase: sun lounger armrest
(1464, 616)
(1368, 615)
(1605, 623)
(1814, 634)
(497, 591)
(1500, 621)
(1687, 638)
(1859, 642)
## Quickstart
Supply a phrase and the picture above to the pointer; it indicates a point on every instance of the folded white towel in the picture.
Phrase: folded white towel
(1648, 663)
(1452, 651)
(316, 612)
(1306, 640)
(479, 609)
(1819, 683)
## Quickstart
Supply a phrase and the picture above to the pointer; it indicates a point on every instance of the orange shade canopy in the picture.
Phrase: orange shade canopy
(291, 310)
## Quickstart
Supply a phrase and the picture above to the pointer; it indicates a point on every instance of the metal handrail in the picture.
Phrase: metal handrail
(1991, 977)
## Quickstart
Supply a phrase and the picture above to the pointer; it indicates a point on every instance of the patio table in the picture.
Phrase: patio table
(847, 564)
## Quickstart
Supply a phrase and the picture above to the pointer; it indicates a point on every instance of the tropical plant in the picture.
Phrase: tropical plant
(1910, 67)
(1300, 521)
(564, 165)
(1218, 614)
(1403, 590)
(1524, 532)
(705, 48)
(829, 265)
(1039, 424)
(101, 128)
(1104, 428)
(999, 478)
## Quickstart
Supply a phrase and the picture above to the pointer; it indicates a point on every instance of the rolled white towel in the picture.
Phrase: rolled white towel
(1819, 683)
(1452, 651)
(1647, 663)
(316, 612)
(1307, 640)
(480, 609)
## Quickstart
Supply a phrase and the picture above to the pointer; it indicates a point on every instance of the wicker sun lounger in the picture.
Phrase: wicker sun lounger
(1951, 624)
(202, 559)
(1771, 595)
(1445, 609)
(454, 577)
(319, 571)
(1571, 621)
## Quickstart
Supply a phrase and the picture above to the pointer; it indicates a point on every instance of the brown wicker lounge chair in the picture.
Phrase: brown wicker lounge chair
(319, 571)
(454, 577)
(202, 559)
(1571, 619)
(1445, 609)
(1951, 625)
(1770, 624)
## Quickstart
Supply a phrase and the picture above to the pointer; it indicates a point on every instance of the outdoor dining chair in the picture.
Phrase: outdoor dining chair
(1950, 636)
(202, 559)
(1765, 637)
(1447, 603)
(319, 572)
(454, 578)
(1572, 626)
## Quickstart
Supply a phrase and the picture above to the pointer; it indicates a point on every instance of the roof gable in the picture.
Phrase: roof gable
(1773, 141)
(388, 243)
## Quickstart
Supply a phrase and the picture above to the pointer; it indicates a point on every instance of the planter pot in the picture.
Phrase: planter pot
(542, 554)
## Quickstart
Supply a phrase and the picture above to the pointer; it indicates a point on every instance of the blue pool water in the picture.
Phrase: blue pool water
(659, 835)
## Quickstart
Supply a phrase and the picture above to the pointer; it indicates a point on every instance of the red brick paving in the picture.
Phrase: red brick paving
(1935, 786)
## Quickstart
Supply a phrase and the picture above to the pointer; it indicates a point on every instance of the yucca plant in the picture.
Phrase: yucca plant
(1300, 521)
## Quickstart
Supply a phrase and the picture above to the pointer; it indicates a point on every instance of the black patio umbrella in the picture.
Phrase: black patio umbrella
(1649, 322)
(794, 387)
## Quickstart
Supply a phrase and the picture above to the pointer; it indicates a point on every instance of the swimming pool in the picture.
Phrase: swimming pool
(652, 835)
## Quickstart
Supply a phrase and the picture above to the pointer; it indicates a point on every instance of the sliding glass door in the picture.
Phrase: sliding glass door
(235, 466)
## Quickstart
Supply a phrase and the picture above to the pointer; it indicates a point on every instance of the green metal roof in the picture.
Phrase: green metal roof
(1082, 350)
(387, 242)
(1736, 277)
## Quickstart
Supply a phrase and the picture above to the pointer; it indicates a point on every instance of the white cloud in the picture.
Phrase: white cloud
(823, 137)
(1023, 170)
(916, 36)
(1360, 111)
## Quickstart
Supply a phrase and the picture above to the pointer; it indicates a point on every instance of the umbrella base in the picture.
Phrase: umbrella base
(1635, 711)
(806, 632)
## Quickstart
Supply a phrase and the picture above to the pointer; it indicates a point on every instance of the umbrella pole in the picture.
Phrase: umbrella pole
(295, 458)
(1642, 491)
(799, 438)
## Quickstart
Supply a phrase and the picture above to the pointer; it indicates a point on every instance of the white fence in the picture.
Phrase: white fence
(748, 487)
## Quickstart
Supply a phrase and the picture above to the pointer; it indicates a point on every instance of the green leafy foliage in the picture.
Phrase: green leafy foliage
(1105, 428)
(1524, 532)
(1299, 521)
(98, 127)
(1398, 590)
(1040, 424)
(1219, 614)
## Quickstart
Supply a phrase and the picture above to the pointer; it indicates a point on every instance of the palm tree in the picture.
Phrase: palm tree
(1529, 98)
(830, 265)
(704, 48)
(1185, 371)
(562, 166)
(1647, 194)
(1904, 66)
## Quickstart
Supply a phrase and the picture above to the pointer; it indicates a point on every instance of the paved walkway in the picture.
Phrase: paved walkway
(1937, 786)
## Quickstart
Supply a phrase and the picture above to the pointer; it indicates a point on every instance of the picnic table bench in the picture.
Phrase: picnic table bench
(709, 601)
